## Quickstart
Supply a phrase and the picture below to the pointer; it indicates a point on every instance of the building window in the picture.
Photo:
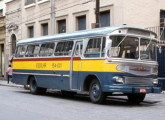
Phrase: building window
(31, 31)
(13, 40)
(27, 2)
(61, 26)
(162, 25)
(81, 22)
(1, 13)
(45, 29)
(105, 18)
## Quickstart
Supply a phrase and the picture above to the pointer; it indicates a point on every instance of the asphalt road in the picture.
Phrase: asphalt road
(19, 104)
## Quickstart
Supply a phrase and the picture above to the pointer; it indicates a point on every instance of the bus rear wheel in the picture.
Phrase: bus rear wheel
(34, 89)
(95, 92)
(135, 98)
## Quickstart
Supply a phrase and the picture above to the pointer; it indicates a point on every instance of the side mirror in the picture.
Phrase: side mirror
(160, 49)
(108, 44)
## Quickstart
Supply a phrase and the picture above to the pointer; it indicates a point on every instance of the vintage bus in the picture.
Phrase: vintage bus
(101, 62)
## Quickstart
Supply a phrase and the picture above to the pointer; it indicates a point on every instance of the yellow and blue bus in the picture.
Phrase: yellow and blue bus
(101, 62)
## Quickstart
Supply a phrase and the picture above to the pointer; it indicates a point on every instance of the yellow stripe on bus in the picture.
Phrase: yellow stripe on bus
(79, 65)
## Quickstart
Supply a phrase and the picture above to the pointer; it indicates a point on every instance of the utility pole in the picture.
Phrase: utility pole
(97, 13)
(52, 16)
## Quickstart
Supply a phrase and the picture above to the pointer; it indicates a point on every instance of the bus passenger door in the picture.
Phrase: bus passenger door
(76, 65)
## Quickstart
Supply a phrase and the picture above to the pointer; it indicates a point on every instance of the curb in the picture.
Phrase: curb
(19, 86)
(11, 85)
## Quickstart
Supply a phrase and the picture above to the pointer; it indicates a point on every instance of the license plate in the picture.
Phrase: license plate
(143, 90)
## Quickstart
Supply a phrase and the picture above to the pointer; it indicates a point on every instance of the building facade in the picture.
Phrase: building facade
(2, 38)
(34, 18)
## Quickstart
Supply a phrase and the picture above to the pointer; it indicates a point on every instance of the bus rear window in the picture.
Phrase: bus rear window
(20, 51)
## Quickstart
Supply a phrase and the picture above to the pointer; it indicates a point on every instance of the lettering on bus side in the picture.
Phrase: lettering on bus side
(41, 65)
(56, 65)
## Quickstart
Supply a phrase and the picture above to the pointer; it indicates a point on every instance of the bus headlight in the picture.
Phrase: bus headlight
(119, 79)
(155, 81)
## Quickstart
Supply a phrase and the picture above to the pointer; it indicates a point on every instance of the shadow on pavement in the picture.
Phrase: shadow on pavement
(110, 101)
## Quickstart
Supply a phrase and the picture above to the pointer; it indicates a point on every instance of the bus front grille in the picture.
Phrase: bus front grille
(138, 80)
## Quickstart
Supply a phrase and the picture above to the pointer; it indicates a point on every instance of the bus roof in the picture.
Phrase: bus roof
(76, 34)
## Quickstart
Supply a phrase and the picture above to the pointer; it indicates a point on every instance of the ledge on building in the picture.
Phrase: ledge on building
(29, 6)
(42, 1)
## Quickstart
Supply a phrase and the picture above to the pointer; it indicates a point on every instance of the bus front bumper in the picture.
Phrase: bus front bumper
(132, 89)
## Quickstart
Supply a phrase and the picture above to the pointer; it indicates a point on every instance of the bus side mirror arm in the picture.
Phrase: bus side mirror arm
(108, 45)
(160, 48)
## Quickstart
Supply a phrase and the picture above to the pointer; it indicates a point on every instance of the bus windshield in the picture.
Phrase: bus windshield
(129, 47)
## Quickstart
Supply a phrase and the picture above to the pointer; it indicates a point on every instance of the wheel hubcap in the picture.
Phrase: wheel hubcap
(95, 91)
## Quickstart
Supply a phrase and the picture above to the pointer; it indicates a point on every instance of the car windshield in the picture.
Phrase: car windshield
(128, 47)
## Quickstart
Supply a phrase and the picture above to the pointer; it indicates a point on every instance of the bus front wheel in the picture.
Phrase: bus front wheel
(34, 89)
(135, 98)
(95, 92)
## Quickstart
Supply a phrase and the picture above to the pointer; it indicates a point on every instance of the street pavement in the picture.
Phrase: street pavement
(3, 82)
(18, 104)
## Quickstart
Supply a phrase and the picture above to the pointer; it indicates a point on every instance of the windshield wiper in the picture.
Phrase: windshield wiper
(121, 41)
(148, 45)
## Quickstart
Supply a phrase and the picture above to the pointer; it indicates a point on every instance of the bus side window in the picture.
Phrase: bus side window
(32, 50)
(46, 49)
(78, 49)
(64, 48)
(93, 48)
(20, 51)
(76, 53)
(103, 47)
(36, 50)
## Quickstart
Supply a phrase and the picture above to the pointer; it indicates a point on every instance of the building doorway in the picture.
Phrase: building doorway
(13, 43)
(2, 64)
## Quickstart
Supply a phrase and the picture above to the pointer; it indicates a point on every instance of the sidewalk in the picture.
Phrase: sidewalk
(3, 82)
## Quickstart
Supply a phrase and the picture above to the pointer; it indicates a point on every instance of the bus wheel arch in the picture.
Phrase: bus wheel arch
(88, 81)
(34, 89)
(27, 85)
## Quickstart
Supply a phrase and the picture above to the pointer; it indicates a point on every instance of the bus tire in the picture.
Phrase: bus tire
(34, 89)
(136, 98)
(95, 92)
